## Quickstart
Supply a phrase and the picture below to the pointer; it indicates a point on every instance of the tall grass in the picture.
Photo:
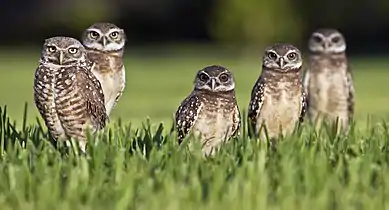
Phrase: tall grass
(128, 168)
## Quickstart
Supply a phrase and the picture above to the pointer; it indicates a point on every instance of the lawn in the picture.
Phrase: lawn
(158, 81)
(138, 168)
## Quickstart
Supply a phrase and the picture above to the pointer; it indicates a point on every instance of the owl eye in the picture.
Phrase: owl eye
(292, 56)
(93, 34)
(317, 39)
(114, 35)
(335, 39)
(223, 78)
(272, 55)
(51, 49)
(203, 77)
(73, 50)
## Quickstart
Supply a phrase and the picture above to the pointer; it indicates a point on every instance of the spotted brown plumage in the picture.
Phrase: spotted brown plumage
(210, 112)
(66, 93)
(186, 115)
(329, 80)
(278, 101)
(255, 105)
(105, 44)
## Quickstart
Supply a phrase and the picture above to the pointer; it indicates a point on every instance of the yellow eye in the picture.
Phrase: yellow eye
(73, 50)
(203, 77)
(51, 49)
(223, 78)
(272, 55)
(317, 39)
(292, 56)
(335, 39)
(114, 35)
(94, 35)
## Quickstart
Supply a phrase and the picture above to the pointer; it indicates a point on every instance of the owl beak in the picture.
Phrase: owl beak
(213, 83)
(60, 58)
(104, 41)
(281, 63)
(326, 46)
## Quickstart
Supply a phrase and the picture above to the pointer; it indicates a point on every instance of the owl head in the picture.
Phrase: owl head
(327, 41)
(104, 37)
(282, 57)
(214, 78)
(61, 50)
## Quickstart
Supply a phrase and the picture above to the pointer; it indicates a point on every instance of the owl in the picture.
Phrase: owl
(104, 43)
(210, 112)
(66, 93)
(328, 80)
(278, 101)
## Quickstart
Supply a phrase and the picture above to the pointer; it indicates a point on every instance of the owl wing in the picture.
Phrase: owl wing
(186, 115)
(304, 106)
(237, 122)
(39, 86)
(351, 92)
(306, 85)
(90, 88)
(120, 93)
(257, 96)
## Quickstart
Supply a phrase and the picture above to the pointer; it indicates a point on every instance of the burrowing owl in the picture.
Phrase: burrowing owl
(210, 112)
(328, 79)
(277, 99)
(66, 93)
(105, 43)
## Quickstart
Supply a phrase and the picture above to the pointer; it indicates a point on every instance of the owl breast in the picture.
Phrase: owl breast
(281, 108)
(113, 83)
(45, 95)
(110, 71)
(70, 106)
(215, 122)
(329, 92)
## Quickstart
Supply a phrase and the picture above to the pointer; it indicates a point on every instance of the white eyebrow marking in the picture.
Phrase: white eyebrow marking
(204, 73)
(318, 35)
(114, 30)
(272, 52)
(291, 50)
(335, 35)
(75, 46)
(95, 30)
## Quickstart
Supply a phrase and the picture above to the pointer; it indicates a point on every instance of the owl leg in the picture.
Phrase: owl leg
(343, 125)
(82, 145)
(209, 151)
(111, 104)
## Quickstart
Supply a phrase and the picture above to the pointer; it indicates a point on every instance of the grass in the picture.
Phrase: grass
(157, 83)
(139, 169)
(138, 165)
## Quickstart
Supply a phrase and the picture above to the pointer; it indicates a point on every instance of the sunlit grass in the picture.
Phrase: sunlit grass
(136, 168)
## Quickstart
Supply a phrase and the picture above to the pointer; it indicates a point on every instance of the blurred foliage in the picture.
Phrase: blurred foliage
(80, 14)
(256, 22)
(252, 23)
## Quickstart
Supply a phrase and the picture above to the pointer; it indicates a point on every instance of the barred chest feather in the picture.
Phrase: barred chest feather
(329, 91)
(50, 95)
(216, 119)
(281, 107)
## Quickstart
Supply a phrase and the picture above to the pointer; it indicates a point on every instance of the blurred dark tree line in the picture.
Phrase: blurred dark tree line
(365, 23)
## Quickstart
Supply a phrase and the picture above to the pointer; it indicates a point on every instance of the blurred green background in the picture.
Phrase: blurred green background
(168, 41)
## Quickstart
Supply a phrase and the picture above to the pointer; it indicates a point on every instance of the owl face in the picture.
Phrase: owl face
(327, 41)
(62, 51)
(215, 79)
(104, 37)
(282, 57)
